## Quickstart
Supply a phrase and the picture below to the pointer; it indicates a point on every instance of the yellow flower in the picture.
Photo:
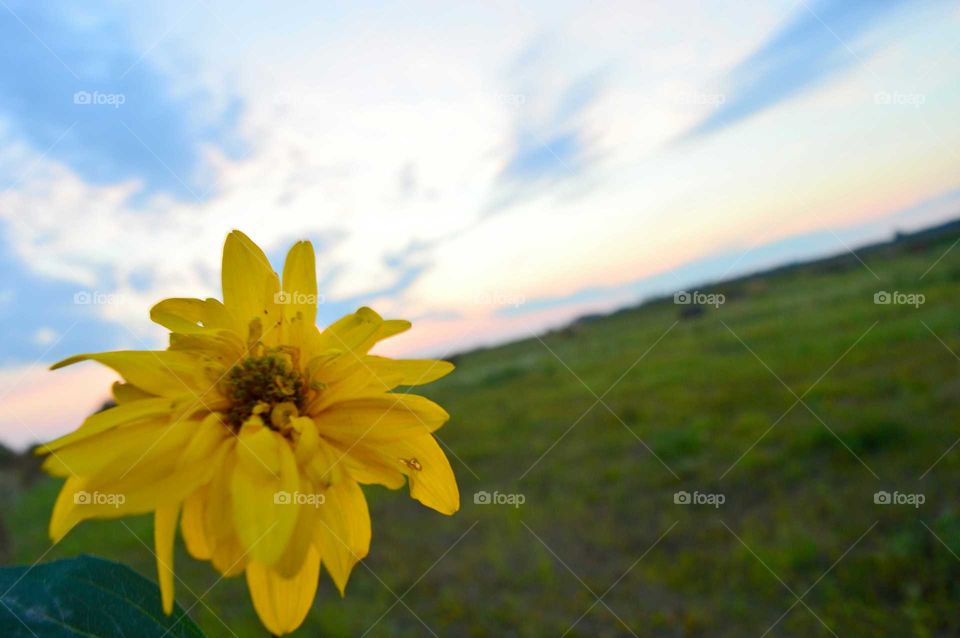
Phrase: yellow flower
(255, 429)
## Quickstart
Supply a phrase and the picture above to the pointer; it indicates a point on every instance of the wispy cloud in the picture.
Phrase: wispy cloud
(817, 43)
(550, 140)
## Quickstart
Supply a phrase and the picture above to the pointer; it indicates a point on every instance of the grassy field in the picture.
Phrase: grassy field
(795, 401)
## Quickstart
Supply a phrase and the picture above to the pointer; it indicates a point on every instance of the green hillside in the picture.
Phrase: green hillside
(795, 401)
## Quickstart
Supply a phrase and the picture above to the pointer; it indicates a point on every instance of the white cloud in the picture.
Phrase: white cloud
(44, 336)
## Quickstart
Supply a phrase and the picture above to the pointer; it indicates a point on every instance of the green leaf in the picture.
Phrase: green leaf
(85, 596)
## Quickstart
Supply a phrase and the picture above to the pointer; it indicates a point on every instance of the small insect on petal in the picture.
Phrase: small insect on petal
(412, 463)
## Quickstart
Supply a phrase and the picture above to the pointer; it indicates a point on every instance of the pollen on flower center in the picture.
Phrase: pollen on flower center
(265, 385)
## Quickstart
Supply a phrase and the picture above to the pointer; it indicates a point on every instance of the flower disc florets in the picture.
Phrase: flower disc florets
(263, 385)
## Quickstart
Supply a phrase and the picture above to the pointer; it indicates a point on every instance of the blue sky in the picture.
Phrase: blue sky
(145, 128)
(486, 170)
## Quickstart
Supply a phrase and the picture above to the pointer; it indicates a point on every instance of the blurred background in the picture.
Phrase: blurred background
(694, 260)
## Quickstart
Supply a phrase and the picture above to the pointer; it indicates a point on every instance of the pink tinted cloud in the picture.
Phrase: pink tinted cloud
(40, 405)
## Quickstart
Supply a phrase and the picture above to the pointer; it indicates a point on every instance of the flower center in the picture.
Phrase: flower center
(266, 385)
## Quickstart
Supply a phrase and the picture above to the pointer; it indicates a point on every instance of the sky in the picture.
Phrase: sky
(487, 170)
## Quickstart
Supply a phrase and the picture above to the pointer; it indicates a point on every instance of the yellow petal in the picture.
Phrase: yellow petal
(62, 519)
(389, 416)
(359, 332)
(206, 440)
(306, 505)
(121, 415)
(266, 470)
(165, 526)
(417, 456)
(147, 448)
(365, 468)
(326, 466)
(189, 316)
(307, 439)
(133, 487)
(158, 372)
(343, 531)
(346, 375)
(221, 346)
(392, 327)
(78, 501)
(300, 284)
(117, 452)
(352, 333)
(342, 376)
(227, 554)
(282, 603)
(126, 392)
(191, 525)
(390, 373)
(249, 284)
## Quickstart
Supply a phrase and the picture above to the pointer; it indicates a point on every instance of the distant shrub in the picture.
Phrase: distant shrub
(502, 375)
(862, 438)
(677, 444)
(691, 312)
